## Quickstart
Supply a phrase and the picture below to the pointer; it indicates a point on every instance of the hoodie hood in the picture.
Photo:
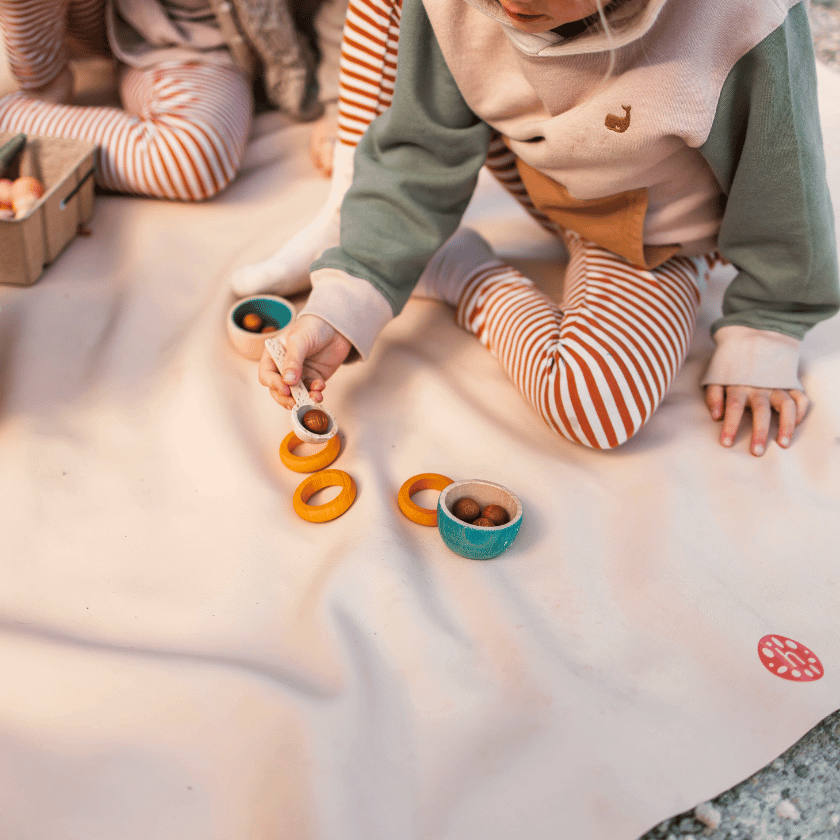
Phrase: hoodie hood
(627, 23)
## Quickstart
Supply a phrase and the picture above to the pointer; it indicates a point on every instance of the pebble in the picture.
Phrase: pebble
(708, 815)
(835, 819)
(786, 810)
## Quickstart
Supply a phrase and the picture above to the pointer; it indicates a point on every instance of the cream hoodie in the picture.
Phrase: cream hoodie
(710, 109)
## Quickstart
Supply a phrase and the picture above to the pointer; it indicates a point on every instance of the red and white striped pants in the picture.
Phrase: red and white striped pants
(181, 133)
(597, 363)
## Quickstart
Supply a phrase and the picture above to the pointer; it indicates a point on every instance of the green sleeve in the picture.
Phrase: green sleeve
(415, 170)
(765, 149)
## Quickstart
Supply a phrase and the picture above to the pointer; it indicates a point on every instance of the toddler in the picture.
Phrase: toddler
(653, 136)
(185, 72)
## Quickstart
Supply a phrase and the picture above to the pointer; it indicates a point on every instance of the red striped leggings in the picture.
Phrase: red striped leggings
(594, 365)
(183, 129)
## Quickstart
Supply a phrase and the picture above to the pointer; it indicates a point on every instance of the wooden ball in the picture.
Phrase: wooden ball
(466, 509)
(496, 514)
(252, 322)
(484, 522)
(267, 328)
(316, 421)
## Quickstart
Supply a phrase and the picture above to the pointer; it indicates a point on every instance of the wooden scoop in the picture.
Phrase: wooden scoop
(303, 403)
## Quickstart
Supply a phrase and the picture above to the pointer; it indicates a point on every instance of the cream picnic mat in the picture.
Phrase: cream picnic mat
(184, 658)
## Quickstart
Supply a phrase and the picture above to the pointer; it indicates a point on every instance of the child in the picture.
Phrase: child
(650, 135)
(185, 82)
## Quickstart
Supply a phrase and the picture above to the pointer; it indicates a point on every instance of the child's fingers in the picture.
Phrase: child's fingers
(802, 404)
(316, 387)
(734, 411)
(270, 377)
(297, 349)
(791, 406)
(730, 402)
(321, 154)
(786, 409)
(759, 402)
(268, 374)
(714, 401)
(286, 402)
(321, 143)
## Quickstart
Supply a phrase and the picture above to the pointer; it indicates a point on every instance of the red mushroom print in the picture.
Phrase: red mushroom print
(788, 659)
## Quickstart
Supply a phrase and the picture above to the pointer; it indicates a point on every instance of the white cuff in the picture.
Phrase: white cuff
(759, 358)
(351, 305)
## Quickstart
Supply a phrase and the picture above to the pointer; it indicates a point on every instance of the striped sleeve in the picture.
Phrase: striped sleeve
(415, 171)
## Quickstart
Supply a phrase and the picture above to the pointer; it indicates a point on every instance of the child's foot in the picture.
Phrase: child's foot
(287, 271)
(455, 263)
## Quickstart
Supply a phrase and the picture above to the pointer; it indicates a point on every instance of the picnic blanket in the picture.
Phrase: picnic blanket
(185, 658)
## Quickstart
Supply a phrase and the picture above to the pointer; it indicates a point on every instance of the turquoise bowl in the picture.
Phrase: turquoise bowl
(474, 541)
(275, 311)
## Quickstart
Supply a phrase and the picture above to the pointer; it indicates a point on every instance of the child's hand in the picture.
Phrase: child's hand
(729, 403)
(322, 142)
(314, 352)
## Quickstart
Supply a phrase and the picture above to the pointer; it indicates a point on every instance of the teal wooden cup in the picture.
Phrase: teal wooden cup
(274, 312)
(475, 541)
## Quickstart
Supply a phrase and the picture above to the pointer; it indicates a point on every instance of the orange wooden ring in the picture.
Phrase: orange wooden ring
(308, 463)
(332, 509)
(424, 481)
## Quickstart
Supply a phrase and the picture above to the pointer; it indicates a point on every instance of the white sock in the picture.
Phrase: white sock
(450, 269)
(287, 271)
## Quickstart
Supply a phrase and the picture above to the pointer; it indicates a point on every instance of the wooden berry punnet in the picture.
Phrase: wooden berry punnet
(65, 168)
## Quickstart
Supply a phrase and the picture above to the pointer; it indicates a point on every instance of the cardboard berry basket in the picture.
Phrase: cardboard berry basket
(65, 167)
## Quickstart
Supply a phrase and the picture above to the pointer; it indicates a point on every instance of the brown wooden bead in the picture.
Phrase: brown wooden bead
(496, 514)
(466, 509)
(484, 522)
(252, 322)
(316, 421)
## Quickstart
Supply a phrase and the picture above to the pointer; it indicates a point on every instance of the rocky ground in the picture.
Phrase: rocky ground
(797, 796)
